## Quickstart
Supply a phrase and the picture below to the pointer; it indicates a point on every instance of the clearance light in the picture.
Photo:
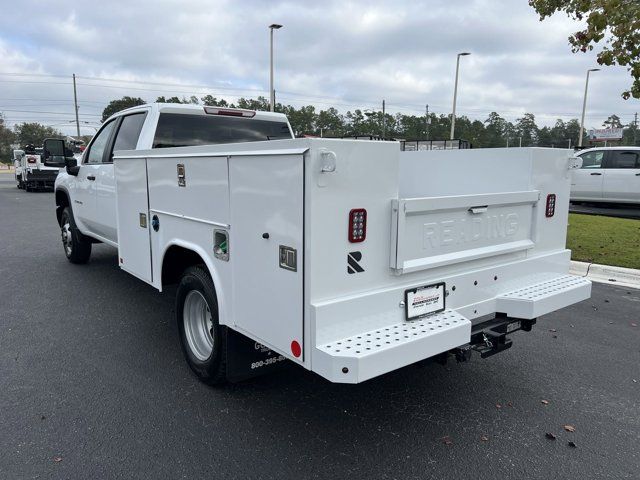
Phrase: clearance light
(230, 112)
(357, 225)
(551, 205)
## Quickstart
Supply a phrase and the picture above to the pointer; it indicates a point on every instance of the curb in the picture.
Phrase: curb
(623, 277)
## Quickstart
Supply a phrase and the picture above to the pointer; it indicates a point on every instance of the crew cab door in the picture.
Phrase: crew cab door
(127, 132)
(83, 193)
(586, 182)
(622, 179)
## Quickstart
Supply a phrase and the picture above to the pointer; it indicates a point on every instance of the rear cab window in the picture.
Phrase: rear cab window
(186, 130)
(624, 159)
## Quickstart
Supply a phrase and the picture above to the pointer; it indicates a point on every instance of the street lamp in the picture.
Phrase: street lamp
(584, 105)
(455, 93)
(272, 92)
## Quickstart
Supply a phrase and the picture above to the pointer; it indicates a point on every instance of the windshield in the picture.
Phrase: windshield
(181, 130)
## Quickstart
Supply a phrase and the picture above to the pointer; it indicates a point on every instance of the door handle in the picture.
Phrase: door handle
(92, 177)
(637, 174)
(594, 173)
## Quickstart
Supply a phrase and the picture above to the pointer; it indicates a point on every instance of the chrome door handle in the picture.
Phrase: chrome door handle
(91, 177)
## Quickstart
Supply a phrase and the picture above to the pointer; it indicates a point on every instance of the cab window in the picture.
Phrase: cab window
(592, 159)
(128, 133)
(96, 150)
(624, 159)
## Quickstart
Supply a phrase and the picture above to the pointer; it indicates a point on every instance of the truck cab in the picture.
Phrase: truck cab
(89, 188)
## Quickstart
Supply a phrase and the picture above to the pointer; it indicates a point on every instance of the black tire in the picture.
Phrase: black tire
(76, 246)
(211, 369)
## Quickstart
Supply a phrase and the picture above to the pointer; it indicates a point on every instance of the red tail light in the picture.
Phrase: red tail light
(31, 159)
(357, 225)
(551, 205)
(229, 112)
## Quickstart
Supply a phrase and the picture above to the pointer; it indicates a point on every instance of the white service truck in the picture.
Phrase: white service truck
(349, 258)
(31, 172)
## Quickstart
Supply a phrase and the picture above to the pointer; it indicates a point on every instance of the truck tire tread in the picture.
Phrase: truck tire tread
(212, 371)
(81, 245)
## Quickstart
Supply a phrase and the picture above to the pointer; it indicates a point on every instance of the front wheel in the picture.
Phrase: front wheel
(202, 338)
(77, 247)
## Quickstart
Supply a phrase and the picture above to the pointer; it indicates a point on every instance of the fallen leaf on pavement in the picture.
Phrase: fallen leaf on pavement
(572, 444)
(545, 402)
(498, 405)
(509, 404)
(570, 428)
(634, 324)
(57, 459)
(550, 436)
(484, 438)
(552, 330)
(447, 440)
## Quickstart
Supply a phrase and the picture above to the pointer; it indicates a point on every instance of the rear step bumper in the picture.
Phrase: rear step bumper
(371, 353)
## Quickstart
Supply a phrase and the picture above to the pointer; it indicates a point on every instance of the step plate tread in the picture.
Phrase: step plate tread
(386, 338)
(549, 288)
(544, 297)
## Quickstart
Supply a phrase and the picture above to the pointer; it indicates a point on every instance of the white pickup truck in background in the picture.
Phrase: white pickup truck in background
(349, 258)
(31, 172)
(608, 174)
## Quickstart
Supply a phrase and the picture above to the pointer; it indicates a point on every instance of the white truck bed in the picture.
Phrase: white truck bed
(475, 221)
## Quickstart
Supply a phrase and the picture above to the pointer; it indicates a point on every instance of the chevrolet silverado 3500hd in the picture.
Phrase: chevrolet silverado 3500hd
(349, 258)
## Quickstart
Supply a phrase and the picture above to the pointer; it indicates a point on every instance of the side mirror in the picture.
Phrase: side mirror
(71, 165)
(54, 152)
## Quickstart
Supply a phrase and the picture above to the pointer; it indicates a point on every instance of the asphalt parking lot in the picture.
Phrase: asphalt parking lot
(93, 385)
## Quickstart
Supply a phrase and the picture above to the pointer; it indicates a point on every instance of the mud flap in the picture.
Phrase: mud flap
(247, 358)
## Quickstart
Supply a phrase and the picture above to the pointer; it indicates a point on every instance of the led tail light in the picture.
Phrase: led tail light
(230, 112)
(357, 225)
(551, 205)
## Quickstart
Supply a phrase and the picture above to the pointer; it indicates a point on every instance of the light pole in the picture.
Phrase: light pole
(584, 105)
(455, 93)
(272, 92)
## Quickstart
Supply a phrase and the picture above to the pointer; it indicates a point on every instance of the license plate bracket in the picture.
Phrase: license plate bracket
(420, 302)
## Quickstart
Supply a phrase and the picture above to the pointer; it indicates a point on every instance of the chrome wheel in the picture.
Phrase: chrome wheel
(67, 240)
(198, 325)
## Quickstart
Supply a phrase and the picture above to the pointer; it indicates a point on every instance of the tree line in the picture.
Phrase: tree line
(494, 131)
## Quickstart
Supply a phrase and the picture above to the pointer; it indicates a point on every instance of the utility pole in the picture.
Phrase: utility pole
(75, 103)
(384, 121)
(426, 123)
(635, 130)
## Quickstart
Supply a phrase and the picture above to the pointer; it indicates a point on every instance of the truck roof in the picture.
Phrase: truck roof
(182, 108)
(617, 147)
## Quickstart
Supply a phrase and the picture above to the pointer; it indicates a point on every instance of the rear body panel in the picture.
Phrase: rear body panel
(474, 221)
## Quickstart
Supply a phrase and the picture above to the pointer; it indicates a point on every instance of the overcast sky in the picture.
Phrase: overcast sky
(343, 54)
